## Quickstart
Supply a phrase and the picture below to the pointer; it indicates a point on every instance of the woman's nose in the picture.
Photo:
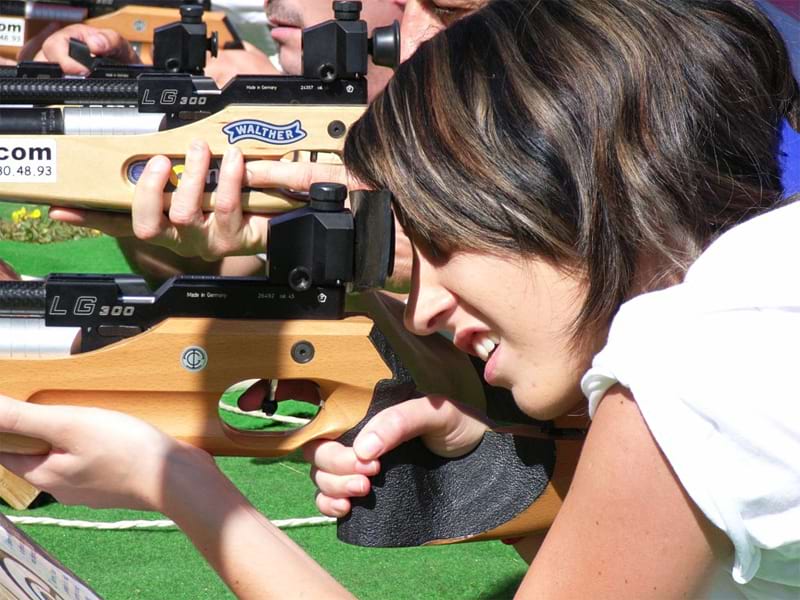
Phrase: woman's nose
(428, 309)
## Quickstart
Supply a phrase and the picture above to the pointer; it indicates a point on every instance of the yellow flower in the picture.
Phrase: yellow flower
(35, 214)
(19, 215)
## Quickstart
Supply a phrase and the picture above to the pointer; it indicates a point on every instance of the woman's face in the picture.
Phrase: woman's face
(515, 314)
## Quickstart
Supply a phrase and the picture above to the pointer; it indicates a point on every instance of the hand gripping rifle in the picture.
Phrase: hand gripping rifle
(135, 20)
(85, 141)
(167, 357)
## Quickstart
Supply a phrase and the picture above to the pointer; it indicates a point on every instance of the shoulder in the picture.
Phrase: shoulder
(626, 527)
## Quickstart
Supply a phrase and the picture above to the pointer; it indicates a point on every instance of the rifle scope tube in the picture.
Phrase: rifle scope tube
(22, 299)
(74, 120)
(14, 90)
(31, 338)
(99, 120)
(43, 11)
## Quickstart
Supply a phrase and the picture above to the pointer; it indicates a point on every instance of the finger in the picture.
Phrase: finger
(446, 430)
(292, 175)
(333, 507)
(7, 272)
(115, 225)
(31, 420)
(253, 397)
(25, 466)
(340, 486)
(56, 47)
(228, 199)
(337, 459)
(186, 209)
(116, 47)
(147, 210)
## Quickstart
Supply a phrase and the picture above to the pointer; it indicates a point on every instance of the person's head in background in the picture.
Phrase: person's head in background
(552, 159)
(288, 18)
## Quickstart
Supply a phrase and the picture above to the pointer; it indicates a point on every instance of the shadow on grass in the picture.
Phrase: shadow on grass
(294, 457)
(504, 590)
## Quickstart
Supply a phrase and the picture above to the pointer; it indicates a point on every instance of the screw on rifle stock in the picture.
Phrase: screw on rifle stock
(303, 352)
(336, 129)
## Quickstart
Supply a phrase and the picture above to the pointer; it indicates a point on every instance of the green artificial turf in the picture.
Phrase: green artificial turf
(162, 565)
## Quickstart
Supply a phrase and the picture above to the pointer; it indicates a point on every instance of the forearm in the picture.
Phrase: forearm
(253, 557)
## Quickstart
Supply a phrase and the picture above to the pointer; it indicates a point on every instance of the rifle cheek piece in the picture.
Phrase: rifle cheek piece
(327, 244)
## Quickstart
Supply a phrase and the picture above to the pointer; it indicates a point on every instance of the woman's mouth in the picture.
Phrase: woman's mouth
(484, 344)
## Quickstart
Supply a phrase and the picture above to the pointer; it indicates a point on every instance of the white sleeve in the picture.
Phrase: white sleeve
(718, 385)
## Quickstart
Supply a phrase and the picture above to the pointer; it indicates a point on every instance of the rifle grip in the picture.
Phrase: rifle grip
(421, 498)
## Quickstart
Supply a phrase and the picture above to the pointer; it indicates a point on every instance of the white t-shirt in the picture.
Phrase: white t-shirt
(714, 366)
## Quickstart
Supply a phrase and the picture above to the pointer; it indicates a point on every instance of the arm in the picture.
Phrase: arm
(184, 239)
(626, 528)
(616, 536)
(107, 459)
(101, 42)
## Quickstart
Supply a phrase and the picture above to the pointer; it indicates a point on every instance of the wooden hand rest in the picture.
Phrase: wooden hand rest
(108, 181)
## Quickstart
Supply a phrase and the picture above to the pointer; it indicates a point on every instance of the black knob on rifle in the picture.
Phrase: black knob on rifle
(191, 13)
(347, 10)
(327, 197)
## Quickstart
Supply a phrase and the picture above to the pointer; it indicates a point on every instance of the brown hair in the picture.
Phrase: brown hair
(593, 134)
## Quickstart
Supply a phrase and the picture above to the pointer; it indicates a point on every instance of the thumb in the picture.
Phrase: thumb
(447, 428)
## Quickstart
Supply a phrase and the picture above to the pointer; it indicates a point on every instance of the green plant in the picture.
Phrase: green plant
(34, 226)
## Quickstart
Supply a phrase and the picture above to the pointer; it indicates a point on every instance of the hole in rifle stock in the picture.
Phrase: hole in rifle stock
(270, 405)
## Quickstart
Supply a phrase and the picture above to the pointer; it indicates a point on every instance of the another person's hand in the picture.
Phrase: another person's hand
(99, 458)
(341, 472)
(7, 273)
(101, 42)
(229, 63)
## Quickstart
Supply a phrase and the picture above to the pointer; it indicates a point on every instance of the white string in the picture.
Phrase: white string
(155, 524)
(262, 415)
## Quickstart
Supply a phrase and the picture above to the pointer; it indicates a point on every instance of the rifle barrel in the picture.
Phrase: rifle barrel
(22, 299)
(67, 91)
(43, 11)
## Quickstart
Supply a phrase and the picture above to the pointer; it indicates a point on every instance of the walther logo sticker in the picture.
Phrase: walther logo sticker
(251, 129)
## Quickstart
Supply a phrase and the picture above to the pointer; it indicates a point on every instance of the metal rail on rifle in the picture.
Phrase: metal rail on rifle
(84, 141)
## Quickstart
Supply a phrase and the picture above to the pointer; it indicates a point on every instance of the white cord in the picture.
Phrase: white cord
(156, 524)
(262, 415)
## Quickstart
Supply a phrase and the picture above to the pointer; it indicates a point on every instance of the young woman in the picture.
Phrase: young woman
(552, 160)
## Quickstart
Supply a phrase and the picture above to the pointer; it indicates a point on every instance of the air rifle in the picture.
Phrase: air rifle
(167, 357)
(85, 141)
(135, 20)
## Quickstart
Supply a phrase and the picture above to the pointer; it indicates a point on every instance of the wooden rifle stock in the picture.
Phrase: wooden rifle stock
(361, 365)
(104, 183)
